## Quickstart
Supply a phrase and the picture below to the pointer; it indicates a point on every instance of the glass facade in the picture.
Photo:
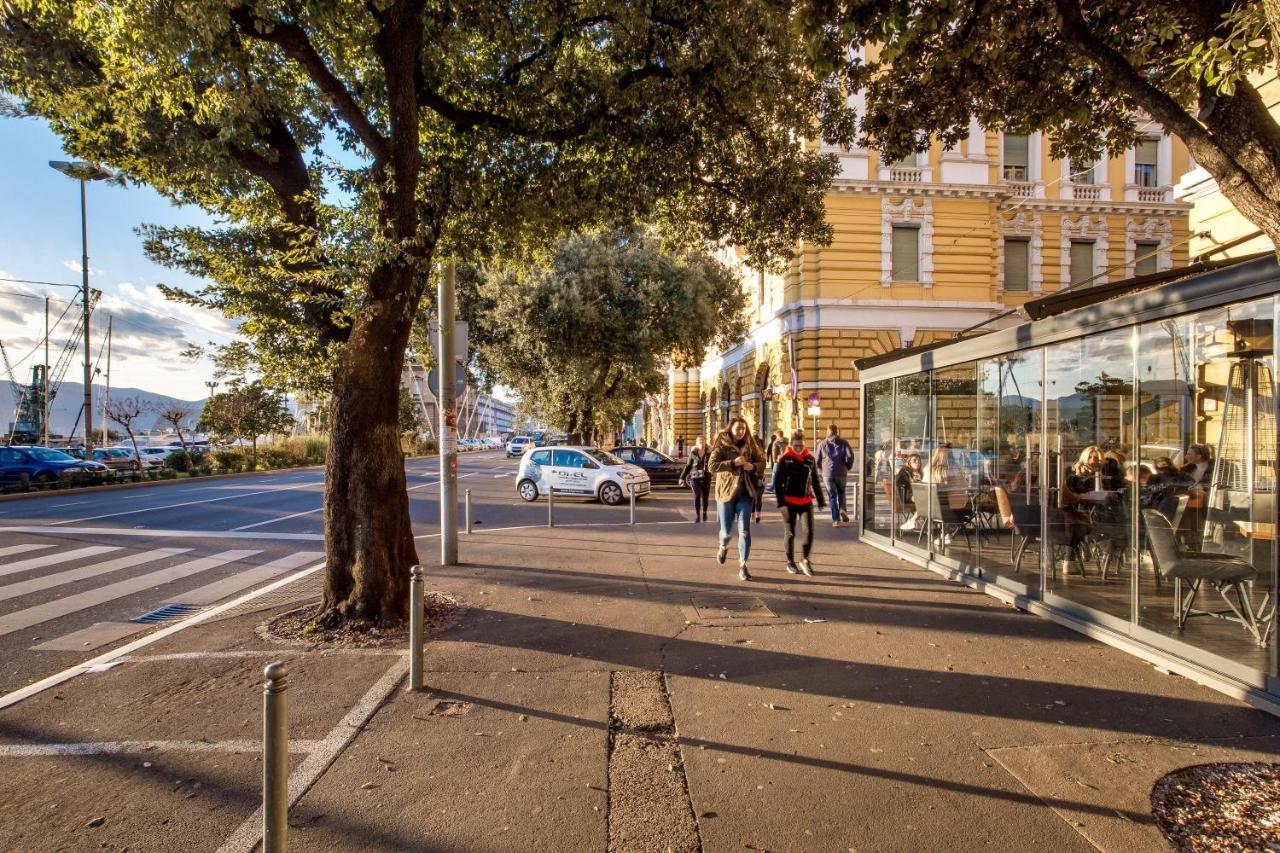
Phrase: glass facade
(1124, 477)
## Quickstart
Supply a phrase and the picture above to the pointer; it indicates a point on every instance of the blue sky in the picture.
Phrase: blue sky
(40, 240)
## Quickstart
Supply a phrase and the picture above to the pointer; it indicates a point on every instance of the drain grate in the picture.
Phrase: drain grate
(164, 614)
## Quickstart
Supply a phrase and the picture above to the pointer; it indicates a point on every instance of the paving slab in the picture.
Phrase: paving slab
(483, 761)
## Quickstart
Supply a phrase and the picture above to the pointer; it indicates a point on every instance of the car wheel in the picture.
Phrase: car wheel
(611, 494)
(43, 480)
(528, 490)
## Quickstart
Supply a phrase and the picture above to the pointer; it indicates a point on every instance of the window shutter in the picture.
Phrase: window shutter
(1016, 265)
(1015, 150)
(1081, 260)
(906, 253)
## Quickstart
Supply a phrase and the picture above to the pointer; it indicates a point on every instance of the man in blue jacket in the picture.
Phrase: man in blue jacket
(835, 458)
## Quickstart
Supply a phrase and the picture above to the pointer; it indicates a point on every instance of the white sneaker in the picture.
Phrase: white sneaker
(806, 568)
(835, 524)
(792, 570)
(720, 555)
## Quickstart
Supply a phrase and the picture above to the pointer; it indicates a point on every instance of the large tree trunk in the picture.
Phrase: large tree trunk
(369, 544)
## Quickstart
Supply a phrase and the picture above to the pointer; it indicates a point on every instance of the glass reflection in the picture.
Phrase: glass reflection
(958, 475)
(880, 504)
(913, 437)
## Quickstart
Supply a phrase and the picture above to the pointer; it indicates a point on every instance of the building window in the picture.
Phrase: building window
(1146, 258)
(1083, 175)
(1016, 159)
(1017, 264)
(1145, 160)
(906, 253)
(1081, 261)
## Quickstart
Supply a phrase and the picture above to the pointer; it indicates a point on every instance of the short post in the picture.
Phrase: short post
(416, 637)
(632, 489)
(551, 506)
(466, 498)
(275, 759)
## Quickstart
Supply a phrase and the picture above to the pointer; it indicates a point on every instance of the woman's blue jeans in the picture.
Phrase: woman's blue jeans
(739, 508)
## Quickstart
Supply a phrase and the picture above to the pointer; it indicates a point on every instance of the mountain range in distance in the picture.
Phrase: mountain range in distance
(66, 407)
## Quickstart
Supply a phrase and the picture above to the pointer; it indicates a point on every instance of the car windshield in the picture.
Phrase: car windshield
(46, 455)
(603, 457)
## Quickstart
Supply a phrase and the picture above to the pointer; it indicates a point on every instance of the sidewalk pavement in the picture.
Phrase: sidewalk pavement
(609, 687)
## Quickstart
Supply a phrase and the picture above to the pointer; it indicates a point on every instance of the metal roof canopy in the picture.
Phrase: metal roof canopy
(1125, 303)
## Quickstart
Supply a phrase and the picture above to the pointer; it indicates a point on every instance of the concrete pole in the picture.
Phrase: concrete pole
(416, 632)
(88, 356)
(45, 413)
(448, 419)
(275, 760)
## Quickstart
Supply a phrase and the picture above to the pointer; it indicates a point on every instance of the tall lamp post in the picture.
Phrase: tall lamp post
(84, 172)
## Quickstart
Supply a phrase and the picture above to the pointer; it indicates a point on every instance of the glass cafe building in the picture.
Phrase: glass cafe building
(1109, 464)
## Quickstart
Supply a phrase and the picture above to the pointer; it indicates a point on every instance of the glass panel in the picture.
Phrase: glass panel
(906, 253)
(957, 473)
(880, 504)
(913, 437)
(1208, 433)
(1016, 262)
(1091, 438)
(1146, 258)
(1009, 423)
(1081, 261)
(1015, 157)
(1083, 175)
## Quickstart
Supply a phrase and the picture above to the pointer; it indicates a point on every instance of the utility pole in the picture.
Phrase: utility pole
(448, 420)
(45, 414)
(84, 172)
(106, 391)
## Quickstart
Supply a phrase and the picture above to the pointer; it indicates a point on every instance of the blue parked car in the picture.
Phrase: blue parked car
(43, 466)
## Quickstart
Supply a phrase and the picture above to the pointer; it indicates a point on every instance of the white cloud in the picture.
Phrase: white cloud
(76, 267)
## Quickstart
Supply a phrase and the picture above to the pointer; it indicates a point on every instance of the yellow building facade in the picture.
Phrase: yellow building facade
(923, 250)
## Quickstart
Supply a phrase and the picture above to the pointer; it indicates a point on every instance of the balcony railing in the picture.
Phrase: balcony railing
(1086, 192)
(1153, 194)
(1022, 189)
(906, 174)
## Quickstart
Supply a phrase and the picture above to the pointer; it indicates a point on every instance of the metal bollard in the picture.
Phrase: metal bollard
(275, 759)
(466, 499)
(551, 506)
(633, 505)
(416, 631)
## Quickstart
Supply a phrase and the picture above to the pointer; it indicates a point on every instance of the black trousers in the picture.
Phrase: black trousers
(701, 487)
(790, 515)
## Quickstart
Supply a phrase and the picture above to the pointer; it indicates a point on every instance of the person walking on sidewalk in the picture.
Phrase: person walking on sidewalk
(735, 462)
(796, 487)
(835, 458)
(696, 476)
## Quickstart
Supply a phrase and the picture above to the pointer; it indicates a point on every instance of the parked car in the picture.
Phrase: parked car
(150, 457)
(117, 458)
(518, 445)
(661, 468)
(586, 471)
(42, 466)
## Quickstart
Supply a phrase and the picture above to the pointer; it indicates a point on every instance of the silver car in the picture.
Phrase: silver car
(586, 471)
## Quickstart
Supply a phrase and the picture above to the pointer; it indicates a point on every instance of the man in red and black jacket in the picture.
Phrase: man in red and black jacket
(796, 486)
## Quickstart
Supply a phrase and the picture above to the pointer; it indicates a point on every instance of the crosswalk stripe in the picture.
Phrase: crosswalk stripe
(82, 601)
(20, 549)
(72, 575)
(219, 590)
(54, 559)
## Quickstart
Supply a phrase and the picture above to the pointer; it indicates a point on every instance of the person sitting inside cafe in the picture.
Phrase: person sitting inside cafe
(1199, 464)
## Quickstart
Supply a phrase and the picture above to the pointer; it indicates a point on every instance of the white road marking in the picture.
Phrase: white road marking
(246, 838)
(274, 520)
(184, 503)
(74, 603)
(48, 581)
(21, 549)
(257, 653)
(119, 747)
(162, 534)
(54, 559)
(35, 688)
(219, 590)
(421, 486)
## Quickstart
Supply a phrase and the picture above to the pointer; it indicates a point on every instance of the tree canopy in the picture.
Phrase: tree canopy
(1093, 75)
(345, 147)
(584, 335)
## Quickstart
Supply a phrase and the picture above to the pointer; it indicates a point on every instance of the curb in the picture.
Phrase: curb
(119, 487)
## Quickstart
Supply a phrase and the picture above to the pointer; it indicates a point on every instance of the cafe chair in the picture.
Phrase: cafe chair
(1224, 572)
(947, 519)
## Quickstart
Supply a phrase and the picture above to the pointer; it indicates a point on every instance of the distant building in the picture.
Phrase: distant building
(479, 414)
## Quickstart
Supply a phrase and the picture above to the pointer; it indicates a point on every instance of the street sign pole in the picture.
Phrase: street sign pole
(446, 353)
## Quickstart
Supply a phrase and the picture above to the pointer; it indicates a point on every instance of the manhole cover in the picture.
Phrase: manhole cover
(1220, 807)
(731, 607)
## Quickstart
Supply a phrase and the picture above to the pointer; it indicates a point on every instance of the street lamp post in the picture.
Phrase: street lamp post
(84, 172)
